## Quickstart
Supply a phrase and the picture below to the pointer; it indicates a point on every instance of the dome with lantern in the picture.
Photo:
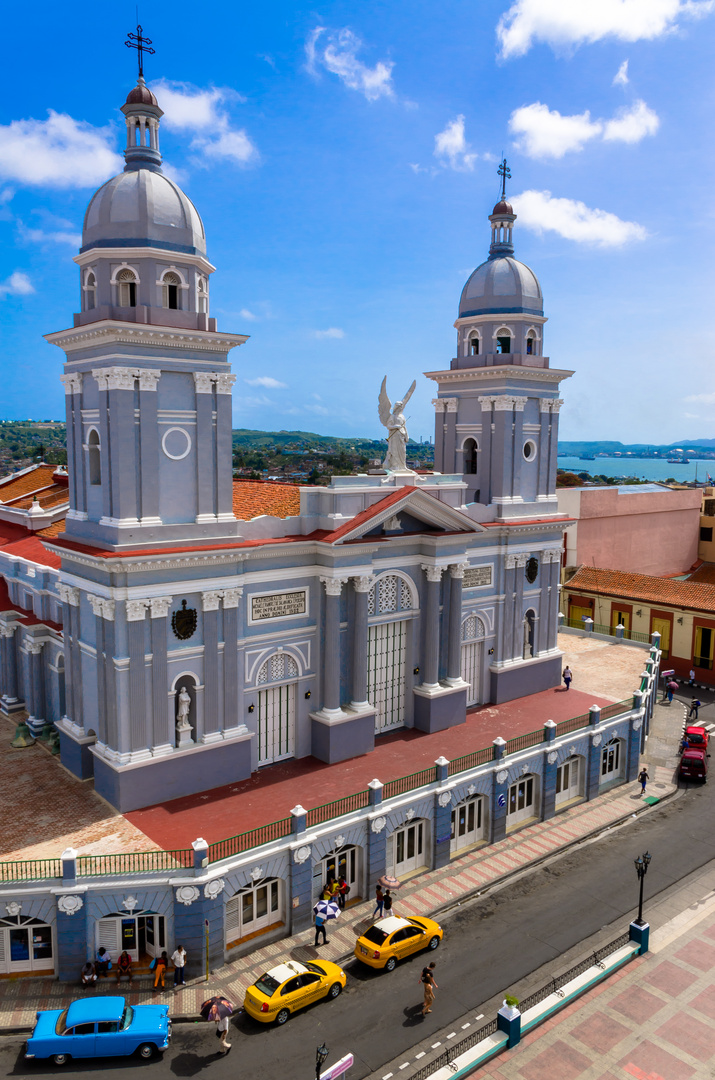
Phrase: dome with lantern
(502, 285)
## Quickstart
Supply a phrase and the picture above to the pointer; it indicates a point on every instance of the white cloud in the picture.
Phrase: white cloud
(42, 236)
(621, 76)
(253, 402)
(541, 212)
(244, 313)
(701, 399)
(544, 133)
(337, 53)
(203, 112)
(331, 332)
(320, 410)
(631, 125)
(18, 284)
(58, 152)
(569, 23)
(268, 382)
(451, 147)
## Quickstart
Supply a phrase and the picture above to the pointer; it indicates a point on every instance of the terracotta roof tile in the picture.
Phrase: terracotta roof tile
(690, 595)
(251, 498)
(704, 575)
(55, 529)
(35, 480)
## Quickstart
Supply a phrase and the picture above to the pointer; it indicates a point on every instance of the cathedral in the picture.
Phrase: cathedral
(179, 641)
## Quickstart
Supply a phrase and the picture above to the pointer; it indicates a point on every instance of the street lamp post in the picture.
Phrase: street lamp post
(321, 1055)
(641, 864)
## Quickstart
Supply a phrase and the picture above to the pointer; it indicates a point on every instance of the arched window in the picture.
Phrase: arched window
(389, 593)
(469, 454)
(277, 668)
(474, 344)
(127, 282)
(203, 296)
(503, 336)
(170, 290)
(529, 633)
(531, 344)
(90, 291)
(95, 466)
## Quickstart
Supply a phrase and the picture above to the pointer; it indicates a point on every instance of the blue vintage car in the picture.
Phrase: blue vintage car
(99, 1027)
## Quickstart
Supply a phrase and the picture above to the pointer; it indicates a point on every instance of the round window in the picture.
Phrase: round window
(529, 450)
(532, 569)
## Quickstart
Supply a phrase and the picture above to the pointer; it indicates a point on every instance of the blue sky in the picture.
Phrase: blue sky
(344, 158)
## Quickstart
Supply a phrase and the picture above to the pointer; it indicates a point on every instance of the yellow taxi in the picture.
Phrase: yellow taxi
(290, 986)
(389, 940)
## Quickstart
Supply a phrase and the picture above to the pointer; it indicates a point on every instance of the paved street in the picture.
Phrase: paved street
(491, 945)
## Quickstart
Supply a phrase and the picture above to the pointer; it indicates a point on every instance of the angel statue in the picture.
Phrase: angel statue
(393, 419)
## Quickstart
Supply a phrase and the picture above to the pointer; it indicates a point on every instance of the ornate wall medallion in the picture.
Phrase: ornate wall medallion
(183, 622)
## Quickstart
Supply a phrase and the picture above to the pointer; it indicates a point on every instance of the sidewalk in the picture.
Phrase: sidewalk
(652, 1021)
(426, 894)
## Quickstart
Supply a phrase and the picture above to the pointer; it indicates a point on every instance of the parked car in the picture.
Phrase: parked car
(694, 765)
(391, 939)
(291, 986)
(696, 736)
(99, 1027)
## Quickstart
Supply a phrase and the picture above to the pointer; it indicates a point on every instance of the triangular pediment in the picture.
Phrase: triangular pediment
(404, 513)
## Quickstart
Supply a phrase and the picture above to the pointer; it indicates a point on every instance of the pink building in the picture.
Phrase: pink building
(649, 529)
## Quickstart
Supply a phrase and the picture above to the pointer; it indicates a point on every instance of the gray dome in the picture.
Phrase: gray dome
(501, 286)
(143, 208)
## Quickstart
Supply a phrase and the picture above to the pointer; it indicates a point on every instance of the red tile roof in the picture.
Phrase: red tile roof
(16, 540)
(704, 575)
(688, 595)
(54, 529)
(251, 498)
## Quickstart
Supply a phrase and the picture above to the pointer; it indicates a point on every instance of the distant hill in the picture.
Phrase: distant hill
(607, 447)
(306, 440)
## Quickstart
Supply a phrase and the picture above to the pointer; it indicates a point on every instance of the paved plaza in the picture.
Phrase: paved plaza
(654, 1020)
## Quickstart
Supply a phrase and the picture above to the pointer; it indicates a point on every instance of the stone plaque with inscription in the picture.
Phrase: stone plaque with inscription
(278, 605)
(477, 575)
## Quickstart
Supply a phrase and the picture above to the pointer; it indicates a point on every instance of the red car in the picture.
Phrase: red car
(697, 737)
(694, 765)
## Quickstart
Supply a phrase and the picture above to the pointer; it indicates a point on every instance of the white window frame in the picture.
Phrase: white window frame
(236, 929)
(568, 785)
(474, 808)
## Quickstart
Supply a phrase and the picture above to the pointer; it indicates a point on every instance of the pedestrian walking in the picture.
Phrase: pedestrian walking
(643, 779)
(691, 677)
(694, 706)
(160, 965)
(178, 959)
(567, 676)
(672, 687)
(343, 890)
(379, 902)
(222, 1032)
(387, 901)
(428, 981)
(320, 929)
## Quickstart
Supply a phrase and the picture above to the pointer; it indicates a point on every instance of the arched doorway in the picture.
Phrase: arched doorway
(472, 649)
(529, 634)
(276, 708)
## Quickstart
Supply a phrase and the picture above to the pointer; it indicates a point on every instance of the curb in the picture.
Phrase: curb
(451, 905)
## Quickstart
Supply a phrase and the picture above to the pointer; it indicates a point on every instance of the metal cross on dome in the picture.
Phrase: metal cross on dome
(505, 172)
(141, 44)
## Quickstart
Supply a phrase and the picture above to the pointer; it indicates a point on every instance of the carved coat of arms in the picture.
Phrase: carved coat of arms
(183, 621)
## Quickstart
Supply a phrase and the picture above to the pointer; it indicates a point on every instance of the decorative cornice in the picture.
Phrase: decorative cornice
(204, 382)
(522, 560)
(504, 403)
(434, 573)
(68, 594)
(104, 609)
(488, 374)
(231, 598)
(111, 333)
(509, 562)
(224, 383)
(439, 404)
(34, 647)
(456, 570)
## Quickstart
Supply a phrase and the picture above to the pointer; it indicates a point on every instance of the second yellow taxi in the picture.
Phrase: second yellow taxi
(290, 986)
(389, 940)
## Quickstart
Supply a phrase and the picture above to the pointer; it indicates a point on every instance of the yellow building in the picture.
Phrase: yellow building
(682, 612)
(706, 544)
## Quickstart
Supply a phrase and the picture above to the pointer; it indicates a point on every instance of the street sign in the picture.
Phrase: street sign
(338, 1068)
(502, 800)
(665, 674)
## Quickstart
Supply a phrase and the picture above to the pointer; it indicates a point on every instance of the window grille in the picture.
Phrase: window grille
(278, 667)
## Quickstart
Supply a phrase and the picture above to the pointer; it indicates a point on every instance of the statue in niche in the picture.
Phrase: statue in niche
(393, 419)
(183, 709)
